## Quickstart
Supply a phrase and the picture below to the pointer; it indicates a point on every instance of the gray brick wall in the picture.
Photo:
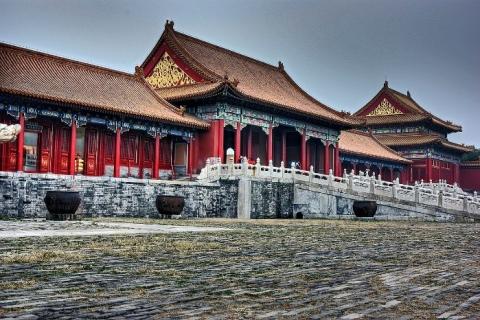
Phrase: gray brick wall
(21, 195)
(271, 199)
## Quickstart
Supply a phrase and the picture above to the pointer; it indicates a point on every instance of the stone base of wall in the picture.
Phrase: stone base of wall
(22, 194)
(316, 202)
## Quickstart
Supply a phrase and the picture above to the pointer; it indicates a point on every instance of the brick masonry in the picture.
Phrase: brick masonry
(271, 199)
(22, 195)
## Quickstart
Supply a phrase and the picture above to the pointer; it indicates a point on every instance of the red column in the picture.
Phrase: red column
(429, 170)
(238, 141)
(156, 158)
(338, 165)
(284, 148)
(307, 162)
(116, 163)
(20, 142)
(270, 144)
(214, 139)
(220, 132)
(190, 158)
(456, 174)
(73, 146)
(249, 143)
(326, 164)
(303, 151)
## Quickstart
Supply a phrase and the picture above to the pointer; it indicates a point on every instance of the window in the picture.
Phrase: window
(80, 145)
(30, 151)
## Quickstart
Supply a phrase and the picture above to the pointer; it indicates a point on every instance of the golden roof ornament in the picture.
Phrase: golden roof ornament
(167, 74)
(385, 108)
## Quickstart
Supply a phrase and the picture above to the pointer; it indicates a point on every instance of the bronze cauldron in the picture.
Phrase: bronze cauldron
(62, 205)
(364, 208)
(169, 205)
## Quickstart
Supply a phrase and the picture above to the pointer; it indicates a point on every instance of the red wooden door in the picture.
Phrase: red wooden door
(165, 161)
(147, 155)
(91, 152)
(62, 146)
(130, 155)
(45, 149)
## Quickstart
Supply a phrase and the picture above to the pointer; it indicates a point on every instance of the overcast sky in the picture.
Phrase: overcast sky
(339, 51)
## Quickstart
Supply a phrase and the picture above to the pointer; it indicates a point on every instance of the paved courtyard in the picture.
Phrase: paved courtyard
(262, 269)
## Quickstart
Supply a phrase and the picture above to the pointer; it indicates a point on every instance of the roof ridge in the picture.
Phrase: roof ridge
(308, 96)
(61, 59)
(241, 55)
(357, 113)
(425, 111)
(386, 147)
(411, 99)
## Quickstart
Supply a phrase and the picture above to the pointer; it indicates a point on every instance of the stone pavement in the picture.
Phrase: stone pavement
(43, 228)
(263, 269)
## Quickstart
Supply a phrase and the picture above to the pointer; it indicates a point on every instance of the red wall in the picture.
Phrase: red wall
(470, 178)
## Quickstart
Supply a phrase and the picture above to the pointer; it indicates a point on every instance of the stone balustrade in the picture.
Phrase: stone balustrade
(439, 194)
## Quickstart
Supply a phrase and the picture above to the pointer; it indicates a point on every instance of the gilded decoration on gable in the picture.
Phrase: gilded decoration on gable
(167, 74)
(385, 108)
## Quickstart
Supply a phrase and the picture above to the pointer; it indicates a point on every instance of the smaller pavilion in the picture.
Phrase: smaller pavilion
(399, 122)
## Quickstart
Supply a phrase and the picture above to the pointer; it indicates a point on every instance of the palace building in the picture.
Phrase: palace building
(399, 122)
(190, 101)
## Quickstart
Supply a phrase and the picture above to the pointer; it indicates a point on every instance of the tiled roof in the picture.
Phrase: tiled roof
(257, 80)
(413, 139)
(55, 79)
(392, 119)
(414, 112)
(189, 91)
(364, 144)
(472, 163)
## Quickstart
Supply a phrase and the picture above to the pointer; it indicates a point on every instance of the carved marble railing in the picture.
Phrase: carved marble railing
(438, 194)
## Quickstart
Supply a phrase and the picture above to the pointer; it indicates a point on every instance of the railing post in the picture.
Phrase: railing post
(417, 194)
(270, 167)
(330, 178)
(257, 167)
(207, 167)
(350, 181)
(244, 167)
(394, 190)
(310, 174)
(282, 169)
(475, 196)
(292, 167)
(465, 203)
(440, 199)
(372, 185)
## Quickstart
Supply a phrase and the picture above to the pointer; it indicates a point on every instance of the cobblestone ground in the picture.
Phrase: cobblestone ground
(262, 269)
